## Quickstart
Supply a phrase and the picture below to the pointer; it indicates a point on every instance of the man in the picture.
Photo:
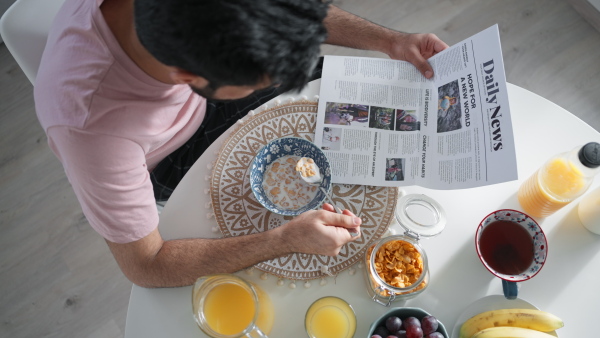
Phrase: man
(117, 93)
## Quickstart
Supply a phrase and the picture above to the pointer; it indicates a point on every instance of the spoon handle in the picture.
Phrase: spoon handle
(338, 210)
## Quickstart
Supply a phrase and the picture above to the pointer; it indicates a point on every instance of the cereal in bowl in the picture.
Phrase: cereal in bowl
(284, 187)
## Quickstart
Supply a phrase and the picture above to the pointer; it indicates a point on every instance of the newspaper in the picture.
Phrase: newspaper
(380, 122)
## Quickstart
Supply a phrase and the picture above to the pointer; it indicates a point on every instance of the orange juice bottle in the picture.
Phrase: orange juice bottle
(559, 181)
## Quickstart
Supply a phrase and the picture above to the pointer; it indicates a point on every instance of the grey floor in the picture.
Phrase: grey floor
(57, 277)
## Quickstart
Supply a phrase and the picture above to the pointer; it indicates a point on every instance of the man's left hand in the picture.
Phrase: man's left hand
(416, 49)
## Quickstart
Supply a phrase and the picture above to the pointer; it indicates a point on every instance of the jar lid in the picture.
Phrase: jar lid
(589, 155)
(420, 215)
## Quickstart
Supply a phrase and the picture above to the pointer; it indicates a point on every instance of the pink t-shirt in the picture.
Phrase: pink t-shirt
(108, 121)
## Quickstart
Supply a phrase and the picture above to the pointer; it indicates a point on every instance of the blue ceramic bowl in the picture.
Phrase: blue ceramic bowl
(281, 147)
(404, 312)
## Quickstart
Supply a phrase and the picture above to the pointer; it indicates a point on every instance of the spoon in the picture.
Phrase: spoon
(309, 172)
(338, 210)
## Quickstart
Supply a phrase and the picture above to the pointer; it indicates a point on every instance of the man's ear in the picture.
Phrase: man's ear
(180, 76)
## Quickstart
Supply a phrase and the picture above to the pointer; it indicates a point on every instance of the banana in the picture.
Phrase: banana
(510, 332)
(524, 318)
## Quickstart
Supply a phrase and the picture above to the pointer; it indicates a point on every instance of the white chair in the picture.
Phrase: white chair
(24, 28)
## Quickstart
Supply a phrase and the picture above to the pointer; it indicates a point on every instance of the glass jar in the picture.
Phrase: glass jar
(401, 255)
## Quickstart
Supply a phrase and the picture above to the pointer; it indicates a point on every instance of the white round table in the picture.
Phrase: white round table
(566, 286)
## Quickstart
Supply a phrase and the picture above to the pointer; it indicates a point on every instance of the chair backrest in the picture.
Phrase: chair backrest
(24, 28)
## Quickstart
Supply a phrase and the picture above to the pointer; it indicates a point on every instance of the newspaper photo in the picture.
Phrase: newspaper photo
(380, 122)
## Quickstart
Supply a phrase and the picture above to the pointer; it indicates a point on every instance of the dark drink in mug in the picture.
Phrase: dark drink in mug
(507, 247)
(512, 246)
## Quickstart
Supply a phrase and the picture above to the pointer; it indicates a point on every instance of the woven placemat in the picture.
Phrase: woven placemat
(239, 213)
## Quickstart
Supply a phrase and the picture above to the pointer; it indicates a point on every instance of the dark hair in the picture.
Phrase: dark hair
(235, 42)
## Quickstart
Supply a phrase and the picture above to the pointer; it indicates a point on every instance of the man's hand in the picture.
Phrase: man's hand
(349, 30)
(416, 49)
(321, 232)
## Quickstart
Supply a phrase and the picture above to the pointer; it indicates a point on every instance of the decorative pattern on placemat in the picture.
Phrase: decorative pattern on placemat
(239, 213)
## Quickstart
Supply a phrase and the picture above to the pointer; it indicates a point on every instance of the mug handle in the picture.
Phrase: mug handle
(510, 289)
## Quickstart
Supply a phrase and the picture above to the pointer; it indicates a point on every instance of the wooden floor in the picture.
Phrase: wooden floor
(57, 277)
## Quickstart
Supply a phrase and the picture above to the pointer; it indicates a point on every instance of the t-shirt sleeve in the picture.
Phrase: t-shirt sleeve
(111, 181)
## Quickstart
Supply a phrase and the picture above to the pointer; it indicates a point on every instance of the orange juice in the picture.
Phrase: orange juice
(551, 188)
(229, 309)
(330, 317)
(227, 306)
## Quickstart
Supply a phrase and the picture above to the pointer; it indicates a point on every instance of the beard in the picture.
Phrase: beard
(208, 93)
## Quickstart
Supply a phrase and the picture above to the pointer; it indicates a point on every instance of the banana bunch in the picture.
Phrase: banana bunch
(525, 323)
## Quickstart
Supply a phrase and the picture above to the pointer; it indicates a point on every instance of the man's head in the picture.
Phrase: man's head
(243, 43)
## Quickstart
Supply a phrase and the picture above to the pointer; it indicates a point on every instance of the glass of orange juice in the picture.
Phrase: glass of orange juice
(330, 317)
(227, 306)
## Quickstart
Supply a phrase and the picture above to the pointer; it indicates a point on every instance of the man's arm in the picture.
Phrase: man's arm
(349, 30)
(153, 262)
(102, 178)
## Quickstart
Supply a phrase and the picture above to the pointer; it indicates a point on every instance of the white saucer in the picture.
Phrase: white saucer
(488, 303)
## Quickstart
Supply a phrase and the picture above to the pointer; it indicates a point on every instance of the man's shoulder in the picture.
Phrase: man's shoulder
(73, 65)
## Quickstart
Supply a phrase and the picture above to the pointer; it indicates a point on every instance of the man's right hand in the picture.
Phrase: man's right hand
(321, 232)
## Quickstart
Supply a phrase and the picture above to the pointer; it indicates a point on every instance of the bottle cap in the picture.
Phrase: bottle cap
(589, 155)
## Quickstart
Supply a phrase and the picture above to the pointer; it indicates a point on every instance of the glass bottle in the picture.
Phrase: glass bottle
(560, 180)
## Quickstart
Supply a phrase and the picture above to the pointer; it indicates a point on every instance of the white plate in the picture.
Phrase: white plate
(489, 303)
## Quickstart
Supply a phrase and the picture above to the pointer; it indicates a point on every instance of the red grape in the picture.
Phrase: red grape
(381, 331)
(414, 332)
(434, 335)
(429, 324)
(411, 321)
(393, 323)
(401, 334)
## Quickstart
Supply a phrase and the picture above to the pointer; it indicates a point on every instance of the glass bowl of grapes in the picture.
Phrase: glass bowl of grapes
(407, 322)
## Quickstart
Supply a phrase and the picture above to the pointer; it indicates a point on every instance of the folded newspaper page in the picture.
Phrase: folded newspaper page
(380, 122)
